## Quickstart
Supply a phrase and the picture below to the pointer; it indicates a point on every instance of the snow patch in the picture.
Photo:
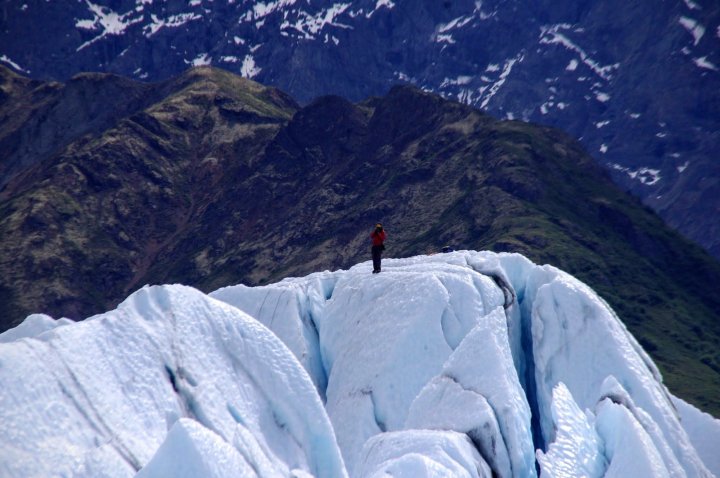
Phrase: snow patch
(603, 148)
(7, 60)
(602, 97)
(203, 59)
(572, 66)
(601, 124)
(692, 5)
(702, 62)
(384, 3)
(107, 21)
(551, 35)
(460, 80)
(647, 176)
(693, 27)
(249, 69)
(479, 12)
(310, 25)
(173, 21)
(469, 96)
(403, 77)
(389, 4)
(681, 169)
(263, 9)
(456, 23)
(444, 39)
(507, 69)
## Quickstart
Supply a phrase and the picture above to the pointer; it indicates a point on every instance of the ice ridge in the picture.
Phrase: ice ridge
(462, 364)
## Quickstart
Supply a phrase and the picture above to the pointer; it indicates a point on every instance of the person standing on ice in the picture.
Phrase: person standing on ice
(378, 238)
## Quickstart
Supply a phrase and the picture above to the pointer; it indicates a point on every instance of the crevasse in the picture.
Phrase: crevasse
(460, 364)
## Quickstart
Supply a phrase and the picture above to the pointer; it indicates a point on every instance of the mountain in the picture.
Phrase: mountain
(636, 81)
(212, 179)
(464, 364)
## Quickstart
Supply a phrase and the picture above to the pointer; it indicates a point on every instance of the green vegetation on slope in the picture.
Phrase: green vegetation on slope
(219, 180)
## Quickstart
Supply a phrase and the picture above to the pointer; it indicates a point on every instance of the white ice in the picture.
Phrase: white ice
(579, 341)
(704, 432)
(106, 391)
(459, 364)
(479, 393)
(32, 326)
(576, 448)
(422, 454)
(205, 454)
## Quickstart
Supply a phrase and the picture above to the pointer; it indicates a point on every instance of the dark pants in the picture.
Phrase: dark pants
(377, 257)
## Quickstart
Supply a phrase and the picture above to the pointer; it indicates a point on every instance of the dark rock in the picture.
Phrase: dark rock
(181, 190)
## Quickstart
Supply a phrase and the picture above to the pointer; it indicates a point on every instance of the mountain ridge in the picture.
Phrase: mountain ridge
(635, 81)
(225, 181)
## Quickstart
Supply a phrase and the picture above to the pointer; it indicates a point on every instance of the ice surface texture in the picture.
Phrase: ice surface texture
(462, 364)
(103, 394)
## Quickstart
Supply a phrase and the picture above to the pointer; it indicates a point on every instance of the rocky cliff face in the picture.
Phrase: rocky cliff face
(210, 179)
(636, 81)
(98, 202)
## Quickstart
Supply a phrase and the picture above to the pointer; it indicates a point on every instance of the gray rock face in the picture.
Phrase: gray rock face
(638, 82)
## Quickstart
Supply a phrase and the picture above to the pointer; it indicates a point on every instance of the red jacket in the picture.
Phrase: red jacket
(378, 238)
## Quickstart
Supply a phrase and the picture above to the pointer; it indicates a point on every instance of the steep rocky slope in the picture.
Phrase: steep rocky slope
(219, 180)
(636, 81)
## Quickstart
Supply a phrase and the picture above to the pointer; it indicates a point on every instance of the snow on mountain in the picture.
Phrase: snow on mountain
(568, 64)
(463, 364)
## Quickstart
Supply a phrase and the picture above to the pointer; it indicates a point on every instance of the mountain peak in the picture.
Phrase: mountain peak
(645, 110)
(210, 179)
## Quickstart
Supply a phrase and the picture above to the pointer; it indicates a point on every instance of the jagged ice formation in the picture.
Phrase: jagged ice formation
(462, 364)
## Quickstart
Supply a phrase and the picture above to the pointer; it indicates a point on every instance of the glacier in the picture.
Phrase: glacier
(468, 364)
